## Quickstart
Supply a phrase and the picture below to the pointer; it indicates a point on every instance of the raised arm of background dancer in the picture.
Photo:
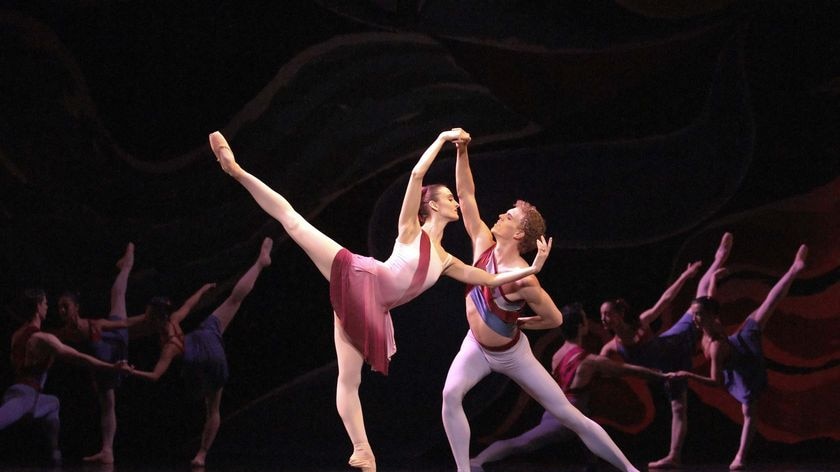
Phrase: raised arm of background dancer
(721, 255)
(474, 276)
(68, 354)
(189, 304)
(780, 290)
(465, 187)
(408, 224)
(166, 356)
(651, 314)
(546, 313)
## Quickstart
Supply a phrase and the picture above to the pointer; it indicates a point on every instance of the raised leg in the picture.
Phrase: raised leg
(721, 255)
(227, 310)
(780, 290)
(118, 289)
(319, 247)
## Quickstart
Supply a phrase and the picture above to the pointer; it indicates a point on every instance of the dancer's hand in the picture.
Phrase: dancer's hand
(453, 134)
(692, 268)
(124, 367)
(224, 155)
(543, 248)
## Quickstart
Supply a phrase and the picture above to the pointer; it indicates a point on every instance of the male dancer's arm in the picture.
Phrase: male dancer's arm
(546, 313)
(479, 233)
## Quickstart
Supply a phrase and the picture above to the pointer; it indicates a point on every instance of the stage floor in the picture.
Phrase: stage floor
(518, 466)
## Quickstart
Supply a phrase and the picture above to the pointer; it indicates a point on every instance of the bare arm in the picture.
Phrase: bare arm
(475, 276)
(68, 354)
(668, 296)
(715, 378)
(166, 356)
(476, 228)
(546, 313)
(189, 304)
(609, 368)
(408, 223)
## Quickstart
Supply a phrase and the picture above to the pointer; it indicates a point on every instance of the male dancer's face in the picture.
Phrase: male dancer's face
(508, 224)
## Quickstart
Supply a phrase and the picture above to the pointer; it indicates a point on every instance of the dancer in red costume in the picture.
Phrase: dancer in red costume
(362, 289)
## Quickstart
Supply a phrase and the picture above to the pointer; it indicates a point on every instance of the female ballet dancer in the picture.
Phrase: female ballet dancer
(736, 361)
(107, 340)
(33, 352)
(574, 369)
(362, 289)
(204, 362)
(669, 351)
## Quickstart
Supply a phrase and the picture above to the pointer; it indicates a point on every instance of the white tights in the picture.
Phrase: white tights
(473, 363)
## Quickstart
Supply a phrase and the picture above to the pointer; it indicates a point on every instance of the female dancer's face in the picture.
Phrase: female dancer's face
(448, 205)
(610, 316)
(67, 309)
(702, 318)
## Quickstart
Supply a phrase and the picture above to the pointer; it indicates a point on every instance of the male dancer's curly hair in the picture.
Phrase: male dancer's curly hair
(533, 225)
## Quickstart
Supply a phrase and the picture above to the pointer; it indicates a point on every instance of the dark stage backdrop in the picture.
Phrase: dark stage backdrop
(641, 131)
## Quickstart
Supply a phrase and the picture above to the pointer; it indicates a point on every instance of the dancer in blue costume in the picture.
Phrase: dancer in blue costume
(33, 353)
(202, 350)
(107, 340)
(736, 362)
(670, 351)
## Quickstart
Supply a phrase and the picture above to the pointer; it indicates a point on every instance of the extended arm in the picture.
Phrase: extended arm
(408, 223)
(68, 354)
(668, 296)
(166, 357)
(609, 368)
(476, 228)
(189, 304)
(475, 276)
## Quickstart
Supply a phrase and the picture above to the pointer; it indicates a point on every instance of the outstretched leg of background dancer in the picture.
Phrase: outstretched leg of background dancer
(107, 396)
(761, 316)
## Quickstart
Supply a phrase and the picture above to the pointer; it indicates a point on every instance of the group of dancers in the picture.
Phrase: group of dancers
(363, 290)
